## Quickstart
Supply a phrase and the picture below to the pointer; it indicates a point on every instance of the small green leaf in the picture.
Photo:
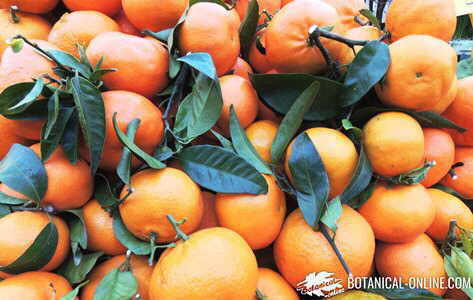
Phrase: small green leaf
(243, 145)
(202, 62)
(38, 254)
(21, 170)
(367, 69)
(223, 141)
(37, 110)
(51, 142)
(72, 295)
(117, 285)
(332, 214)
(124, 166)
(31, 97)
(371, 17)
(6, 199)
(78, 234)
(15, 94)
(76, 273)
(310, 179)
(4, 210)
(462, 263)
(53, 113)
(293, 120)
(70, 138)
(360, 180)
(103, 192)
(221, 170)
(452, 273)
(348, 126)
(125, 237)
(70, 61)
(127, 142)
(17, 45)
(248, 27)
(465, 68)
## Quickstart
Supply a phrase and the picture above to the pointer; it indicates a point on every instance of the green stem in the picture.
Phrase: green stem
(175, 224)
(153, 237)
(178, 90)
(13, 13)
(327, 236)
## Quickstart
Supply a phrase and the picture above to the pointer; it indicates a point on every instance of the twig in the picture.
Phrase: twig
(314, 39)
(316, 31)
(335, 248)
(13, 13)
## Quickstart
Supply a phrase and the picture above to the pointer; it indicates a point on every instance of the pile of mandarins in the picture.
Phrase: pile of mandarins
(176, 149)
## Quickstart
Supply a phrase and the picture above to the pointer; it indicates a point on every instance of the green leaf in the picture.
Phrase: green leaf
(248, 27)
(117, 285)
(293, 120)
(4, 210)
(452, 272)
(357, 202)
(223, 141)
(243, 145)
(76, 273)
(37, 110)
(202, 62)
(348, 126)
(127, 142)
(200, 110)
(462, 263)
(124, 166)
(51, 142)
(38, 254)
(103, 192)
(219, 2)
(15, 94)
(31, 97)
(70, 61)
(72, 295)
(21, 170)
(310, 179)
(371, 17)
(221, 170)
(89, 104)
(280, 91)
(367, 69)
(6, 199)
(70, 138)
(162, 35)
(174, 65)
(332, 214)
(465, 68)
(360, 180)
(78, 234)
(405, 294)
(53, 113)
(125, 237)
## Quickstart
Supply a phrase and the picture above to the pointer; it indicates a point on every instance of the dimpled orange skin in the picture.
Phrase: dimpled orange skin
(274, 286)
(271, 6)
(261, 135)
(338, 155)
(72, 29)
(158, 193)
(8, 136)
(35, 286)
(128, 106)
(460, 112)
(259, 61)
(299, 250)
(264, 214)
(211, 28)
(125, 24)
(213, 264)
(418, 258)
(20, 229)
(242, 68)
(209, 216)
(438, 147)
(399, 213)
(154, 15)
(448, 208)
(348, 10)
(238, 92)
(133, 57)
(394, 143)
(463, 184)
(408, 17)
(287, 49)
(138, 266)
(418, 79)
(108, 7)
(29, 26)
(34, 7)
(99, 228)
(367, 33)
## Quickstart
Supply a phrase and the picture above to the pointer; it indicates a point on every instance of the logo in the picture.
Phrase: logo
(321, 284)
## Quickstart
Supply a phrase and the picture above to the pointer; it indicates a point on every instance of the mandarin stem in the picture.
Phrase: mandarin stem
(324, 231)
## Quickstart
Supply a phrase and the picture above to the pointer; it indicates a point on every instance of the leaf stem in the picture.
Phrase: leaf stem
(178, 90)
(175, 224)
(13, 13)
(324, 231)
(21, 208)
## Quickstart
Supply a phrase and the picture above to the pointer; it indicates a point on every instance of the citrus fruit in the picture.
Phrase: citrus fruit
(35, 286)
(214, 263)
(287, 48)
(448, 208)
(398, 213)
(34, 7)
(418, 79)
(108, 7)
(408, 17)
(157, 193)
(340, 164)
(261, 135)
(138, 266)
(133, 57)
(367, 33)
(20, 229)
(264, 214)
(99, 227)
(463, 182)
(258, 60)
(209, 216)
(355, 295)
(273, 286)
(394, 143)
(300, 250)
(8, 136)
(154, 15)
(349, 12)
(211, 28)
(70, 31)
(270, 6)
(438, 147)
(242, 68)
(125, 24)
(418, 258)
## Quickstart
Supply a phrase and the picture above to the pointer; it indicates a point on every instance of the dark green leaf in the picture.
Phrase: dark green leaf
(127, 142)
(357, 202)
(332, 214)
(453, 273)
(31, 97)
(405, 294)
(6, 199)
(53, 113)
(125, 237)
(280, 91)
(89, 104)
(371, 17)
(72, 295)
(14, 94)
(465, 68)
(293, 120)
(243, 145)
(37, 110)
(70, 61)
(367, 69)
(163, 153)
(103, 192)
(219, 2)
(21, 170)
(77, 273)
(124, 166)
(38, 254)
(162, 35)
(70, 138)
(248, 27)
(78, 235)
(223, 141)
(310, 179)
(4, 210)
(117, 285)
(50, 143)
(360, 180)
(221, 170)
(202, 62)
